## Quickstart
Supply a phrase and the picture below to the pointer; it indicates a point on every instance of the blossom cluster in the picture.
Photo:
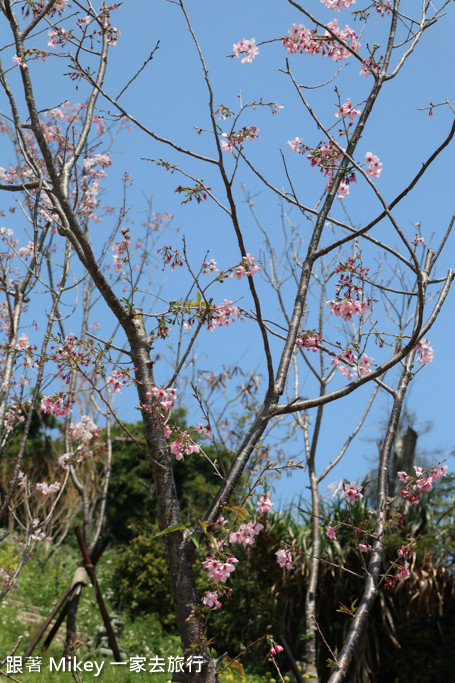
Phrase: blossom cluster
(245, 534)
(285, 558)
(236, 138)
(349, 364)
(246, 47)
(116, 380)
(23, 342)
(347, 111)
(308, 340)
(210, 598)
(346, 308)
(425, 352)
(73, 353)
(370, 66)
(326, 156)
(57, 37)
(161, 401)
(247, 268)
(338, 4)
(209, 267)
(423, 481)
(171, 257)
(94, 169)
(374, 166)
(120, 251)
(61, 36)
(35, 8)
(264, 504)
(13, 417)
(184, 445)
(158, 220)
(352, 492)
(26, 251)
(83, 431)
(38, 534)
(350, 286)
(222, 314)
(19, 61)
(219, 571)
(383, 7)
(275, 648)
(300, 39)
(404, 553)
(351, 273)
(59, 405)
(46, 488)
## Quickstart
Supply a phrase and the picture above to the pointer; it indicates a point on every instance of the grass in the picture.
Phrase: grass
(41, 583)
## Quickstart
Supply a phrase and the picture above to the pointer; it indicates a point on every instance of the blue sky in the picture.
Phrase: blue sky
(170, 97)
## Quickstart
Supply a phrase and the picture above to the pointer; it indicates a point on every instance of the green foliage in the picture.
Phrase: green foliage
(132, 497)
(141, 581)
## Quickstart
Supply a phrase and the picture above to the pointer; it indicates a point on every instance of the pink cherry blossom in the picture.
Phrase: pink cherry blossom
(209, 267)
(57, 405)
(45, 488)
(219, 571)
(347, 111)
(246, 533)
(351, 492)
(176, 449)
(248, 267)
(418, 240)
(346, 308)
(402, 476)
(264, 504)
(403, 552)
(210, 598)
(275, 649)
(365, 364)
(425, 352)
(295, 145)
(284, 558)
(374, 166)
(83, 431)
(440, 472)
(331, 533)
(115, 380)
(246, 47)
(192, 448)
(308, 340)
(343, 191)
(23, 342)
(300, 39)
(403, 573)
(236, 138)
(364, 547)
(338, 4)
(20, 62)
(220, 522)
(223, 314)
(425, 483)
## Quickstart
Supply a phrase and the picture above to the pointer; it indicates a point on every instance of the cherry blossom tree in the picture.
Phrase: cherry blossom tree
(60, 157)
